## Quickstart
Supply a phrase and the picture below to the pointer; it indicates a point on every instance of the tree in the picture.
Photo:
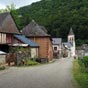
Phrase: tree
(8, 8)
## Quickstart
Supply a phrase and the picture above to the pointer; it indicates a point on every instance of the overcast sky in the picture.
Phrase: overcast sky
(18, 3)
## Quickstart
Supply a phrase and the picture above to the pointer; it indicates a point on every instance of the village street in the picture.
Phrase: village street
(54, 75)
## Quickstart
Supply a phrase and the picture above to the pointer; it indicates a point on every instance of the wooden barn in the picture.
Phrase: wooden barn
(11, 38)
(7, 29)
(38, 34)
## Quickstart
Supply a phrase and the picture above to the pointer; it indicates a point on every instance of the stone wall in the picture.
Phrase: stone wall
(2, 59)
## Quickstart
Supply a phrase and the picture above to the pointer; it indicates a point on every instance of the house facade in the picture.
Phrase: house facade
(45, 47)
(66, 49)
(38, 34)
(57, 47)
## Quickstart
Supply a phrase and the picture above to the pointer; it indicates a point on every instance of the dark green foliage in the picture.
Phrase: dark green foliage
(80, 74)
(57, 16)
(85, 61)
(84, 64)
(2, 67)
(31, 62)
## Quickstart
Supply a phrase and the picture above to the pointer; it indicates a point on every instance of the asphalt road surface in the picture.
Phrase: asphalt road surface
(54, 75)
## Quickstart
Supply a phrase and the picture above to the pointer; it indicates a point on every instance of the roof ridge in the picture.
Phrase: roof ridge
(34, 28)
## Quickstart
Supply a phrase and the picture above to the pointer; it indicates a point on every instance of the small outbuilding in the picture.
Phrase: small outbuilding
(21, 40)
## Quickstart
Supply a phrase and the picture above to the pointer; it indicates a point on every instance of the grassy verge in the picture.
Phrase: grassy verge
(80, 75)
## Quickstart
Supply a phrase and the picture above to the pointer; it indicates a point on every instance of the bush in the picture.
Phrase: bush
(2, 67)
(83, 64)
(85, 61)
(31, 62)
(80, 76)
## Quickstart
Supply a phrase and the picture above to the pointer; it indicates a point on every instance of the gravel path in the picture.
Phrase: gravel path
(54, 75)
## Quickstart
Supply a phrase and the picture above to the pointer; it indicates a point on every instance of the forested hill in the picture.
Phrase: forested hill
(58, 16)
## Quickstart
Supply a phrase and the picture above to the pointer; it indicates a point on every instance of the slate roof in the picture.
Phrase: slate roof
(69, 45)
(44, 29)
(1, 53)
(33, 29)
(71, 32)
(26, 40)
(7, 24)
(56, 41)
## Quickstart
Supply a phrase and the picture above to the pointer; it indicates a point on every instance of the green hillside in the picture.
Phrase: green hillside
(58, 16)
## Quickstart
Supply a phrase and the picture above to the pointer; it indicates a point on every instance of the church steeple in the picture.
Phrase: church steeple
(71, 37)
(71, 32)
(71, 40)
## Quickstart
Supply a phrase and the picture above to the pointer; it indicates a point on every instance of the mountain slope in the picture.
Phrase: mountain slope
(58, 16)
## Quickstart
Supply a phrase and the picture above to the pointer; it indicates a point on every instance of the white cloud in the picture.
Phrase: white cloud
(2, 6)
(18, 3)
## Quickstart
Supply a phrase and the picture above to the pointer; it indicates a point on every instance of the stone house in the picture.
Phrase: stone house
(66, 49)
(57, 47)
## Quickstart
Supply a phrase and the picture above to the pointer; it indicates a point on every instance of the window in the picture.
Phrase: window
(55, 48)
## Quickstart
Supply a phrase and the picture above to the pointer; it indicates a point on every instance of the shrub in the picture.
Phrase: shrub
(85, 61)
(2, 67)
(31, 62)
(83, 64)
(80, 76)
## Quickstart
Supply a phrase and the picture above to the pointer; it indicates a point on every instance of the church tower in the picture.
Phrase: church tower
(71, 40)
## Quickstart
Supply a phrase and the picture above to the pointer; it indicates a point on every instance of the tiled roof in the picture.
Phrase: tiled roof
(26, 40)
(33, 29)
(7, 24)
(56, 41)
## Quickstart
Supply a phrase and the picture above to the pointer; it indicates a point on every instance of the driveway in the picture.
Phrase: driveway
(54, 75)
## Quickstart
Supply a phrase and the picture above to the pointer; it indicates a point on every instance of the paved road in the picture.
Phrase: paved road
(54, 75)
